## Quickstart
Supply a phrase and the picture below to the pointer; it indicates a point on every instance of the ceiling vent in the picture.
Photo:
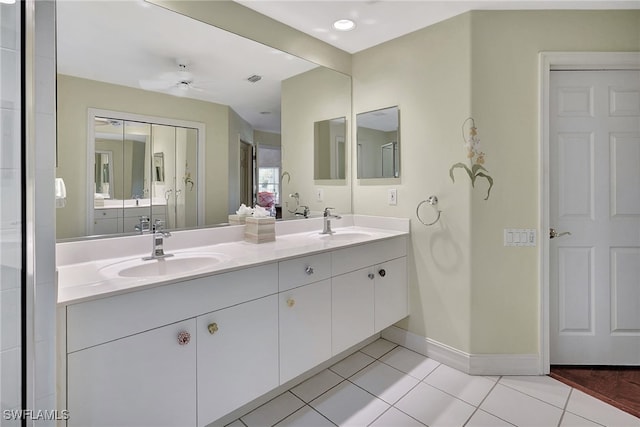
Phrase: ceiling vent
(255, 78)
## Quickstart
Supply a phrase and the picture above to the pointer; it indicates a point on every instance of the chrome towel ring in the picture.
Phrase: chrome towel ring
(433, 201)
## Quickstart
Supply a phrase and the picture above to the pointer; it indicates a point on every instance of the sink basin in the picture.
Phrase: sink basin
(177, 264)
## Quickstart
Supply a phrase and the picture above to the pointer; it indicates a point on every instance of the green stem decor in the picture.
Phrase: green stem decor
(475, 156)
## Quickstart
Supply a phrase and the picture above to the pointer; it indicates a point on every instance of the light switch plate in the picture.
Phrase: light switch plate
(392, 197)
(319, 194)
(520, 237)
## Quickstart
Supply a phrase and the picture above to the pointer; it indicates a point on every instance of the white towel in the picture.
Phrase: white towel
(61, 193)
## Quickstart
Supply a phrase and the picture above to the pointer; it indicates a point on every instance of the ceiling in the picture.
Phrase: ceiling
(130, 42)
(378, 21)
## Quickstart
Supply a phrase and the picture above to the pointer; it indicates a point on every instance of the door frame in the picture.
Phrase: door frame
(547, 62)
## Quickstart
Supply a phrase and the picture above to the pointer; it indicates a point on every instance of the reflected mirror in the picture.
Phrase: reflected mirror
(378, 139)
(180, 69)
(329, 148)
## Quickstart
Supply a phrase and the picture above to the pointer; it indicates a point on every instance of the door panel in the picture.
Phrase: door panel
(594, 169)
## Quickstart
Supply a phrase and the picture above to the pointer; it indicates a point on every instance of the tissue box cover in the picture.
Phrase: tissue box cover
(260, 230)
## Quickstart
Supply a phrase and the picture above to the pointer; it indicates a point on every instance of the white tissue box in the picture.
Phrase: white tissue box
(237, 219)
(260, 230)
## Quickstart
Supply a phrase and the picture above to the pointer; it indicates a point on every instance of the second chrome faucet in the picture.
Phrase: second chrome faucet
(158, 236)
(327, 216)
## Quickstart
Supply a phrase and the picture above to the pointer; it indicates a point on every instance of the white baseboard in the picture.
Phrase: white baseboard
(473, 364)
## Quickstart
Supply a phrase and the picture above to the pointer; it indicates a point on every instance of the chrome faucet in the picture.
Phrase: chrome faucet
(327, 221)
(143, 226)
(305, 211)
(158, 241)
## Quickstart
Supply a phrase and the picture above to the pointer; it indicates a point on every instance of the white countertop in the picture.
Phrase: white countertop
(81, 279)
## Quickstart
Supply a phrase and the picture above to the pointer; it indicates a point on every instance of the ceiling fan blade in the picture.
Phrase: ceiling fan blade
(155, 84)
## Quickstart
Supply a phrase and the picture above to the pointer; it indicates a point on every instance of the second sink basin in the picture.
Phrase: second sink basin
(177, 264)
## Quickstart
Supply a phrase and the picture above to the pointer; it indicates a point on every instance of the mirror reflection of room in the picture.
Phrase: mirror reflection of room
(378, 140)
(329, 148)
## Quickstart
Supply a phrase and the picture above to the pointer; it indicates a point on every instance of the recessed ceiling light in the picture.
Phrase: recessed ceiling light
(344, 25)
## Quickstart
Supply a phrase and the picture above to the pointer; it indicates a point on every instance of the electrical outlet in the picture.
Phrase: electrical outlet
(319, 194)
(392, 197)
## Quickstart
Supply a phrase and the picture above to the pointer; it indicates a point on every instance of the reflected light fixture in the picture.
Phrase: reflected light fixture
(344, 25)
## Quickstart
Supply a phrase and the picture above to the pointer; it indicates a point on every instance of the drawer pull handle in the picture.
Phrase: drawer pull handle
(382, 273)
(371, 276)
(184, 337)
(213, 328)
(309, 270)
(291, 302)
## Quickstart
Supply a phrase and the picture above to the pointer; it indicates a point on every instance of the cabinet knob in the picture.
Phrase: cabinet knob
(382, 273)
(291, 302)
(184, 337)
(371, 276)
(213, 328)
(308, 269)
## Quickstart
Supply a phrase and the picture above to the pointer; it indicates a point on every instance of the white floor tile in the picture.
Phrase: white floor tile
(571, 420)
(434, 407)
(471, 389)
(596, 410)
(408, 361)
(236, 423)
(316, 385)
(305, 417)
(349, 405)
(378, 348)
(484, 419)
(396, 418)
(541, 387)
(385, 382)
(520, 409)
(273, 411)
(352, 364)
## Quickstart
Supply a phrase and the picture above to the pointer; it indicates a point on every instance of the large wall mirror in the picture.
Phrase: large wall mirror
(180, 69)
(378, 143)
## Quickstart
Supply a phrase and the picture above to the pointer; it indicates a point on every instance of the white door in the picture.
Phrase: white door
(594, 169)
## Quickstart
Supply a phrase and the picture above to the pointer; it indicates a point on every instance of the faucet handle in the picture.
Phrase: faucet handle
(158, 225)
(327, 211)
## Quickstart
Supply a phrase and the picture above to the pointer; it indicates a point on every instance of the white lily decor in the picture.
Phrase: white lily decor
(475, 156)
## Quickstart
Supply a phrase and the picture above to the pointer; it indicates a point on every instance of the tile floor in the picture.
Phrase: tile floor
(388, 385)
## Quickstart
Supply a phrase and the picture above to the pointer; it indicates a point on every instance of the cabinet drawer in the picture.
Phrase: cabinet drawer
(357, 257)
(301, 271)
(107, 213)
(95, 322)
(137, 212)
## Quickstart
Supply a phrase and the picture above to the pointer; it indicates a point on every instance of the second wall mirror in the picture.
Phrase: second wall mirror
(378, 138)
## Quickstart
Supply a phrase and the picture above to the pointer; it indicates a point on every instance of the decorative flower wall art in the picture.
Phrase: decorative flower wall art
(474, 154)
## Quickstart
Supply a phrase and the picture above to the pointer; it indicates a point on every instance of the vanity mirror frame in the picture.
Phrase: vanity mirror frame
(395, 147)
(95, 112)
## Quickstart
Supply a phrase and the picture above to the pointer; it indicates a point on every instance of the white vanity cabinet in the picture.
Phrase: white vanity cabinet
(147, 379)
(368, 290)
(304, 306)
(190, 352)
(126, 365)
(237, 357)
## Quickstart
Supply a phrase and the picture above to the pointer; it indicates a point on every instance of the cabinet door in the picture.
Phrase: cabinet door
(352, 305)
(147, 379)
(237, 356)
(305, 328)
(390, 293)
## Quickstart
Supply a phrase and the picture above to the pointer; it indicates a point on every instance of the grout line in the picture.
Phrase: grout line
(527, 394)
(321, 414)
(495, 384)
